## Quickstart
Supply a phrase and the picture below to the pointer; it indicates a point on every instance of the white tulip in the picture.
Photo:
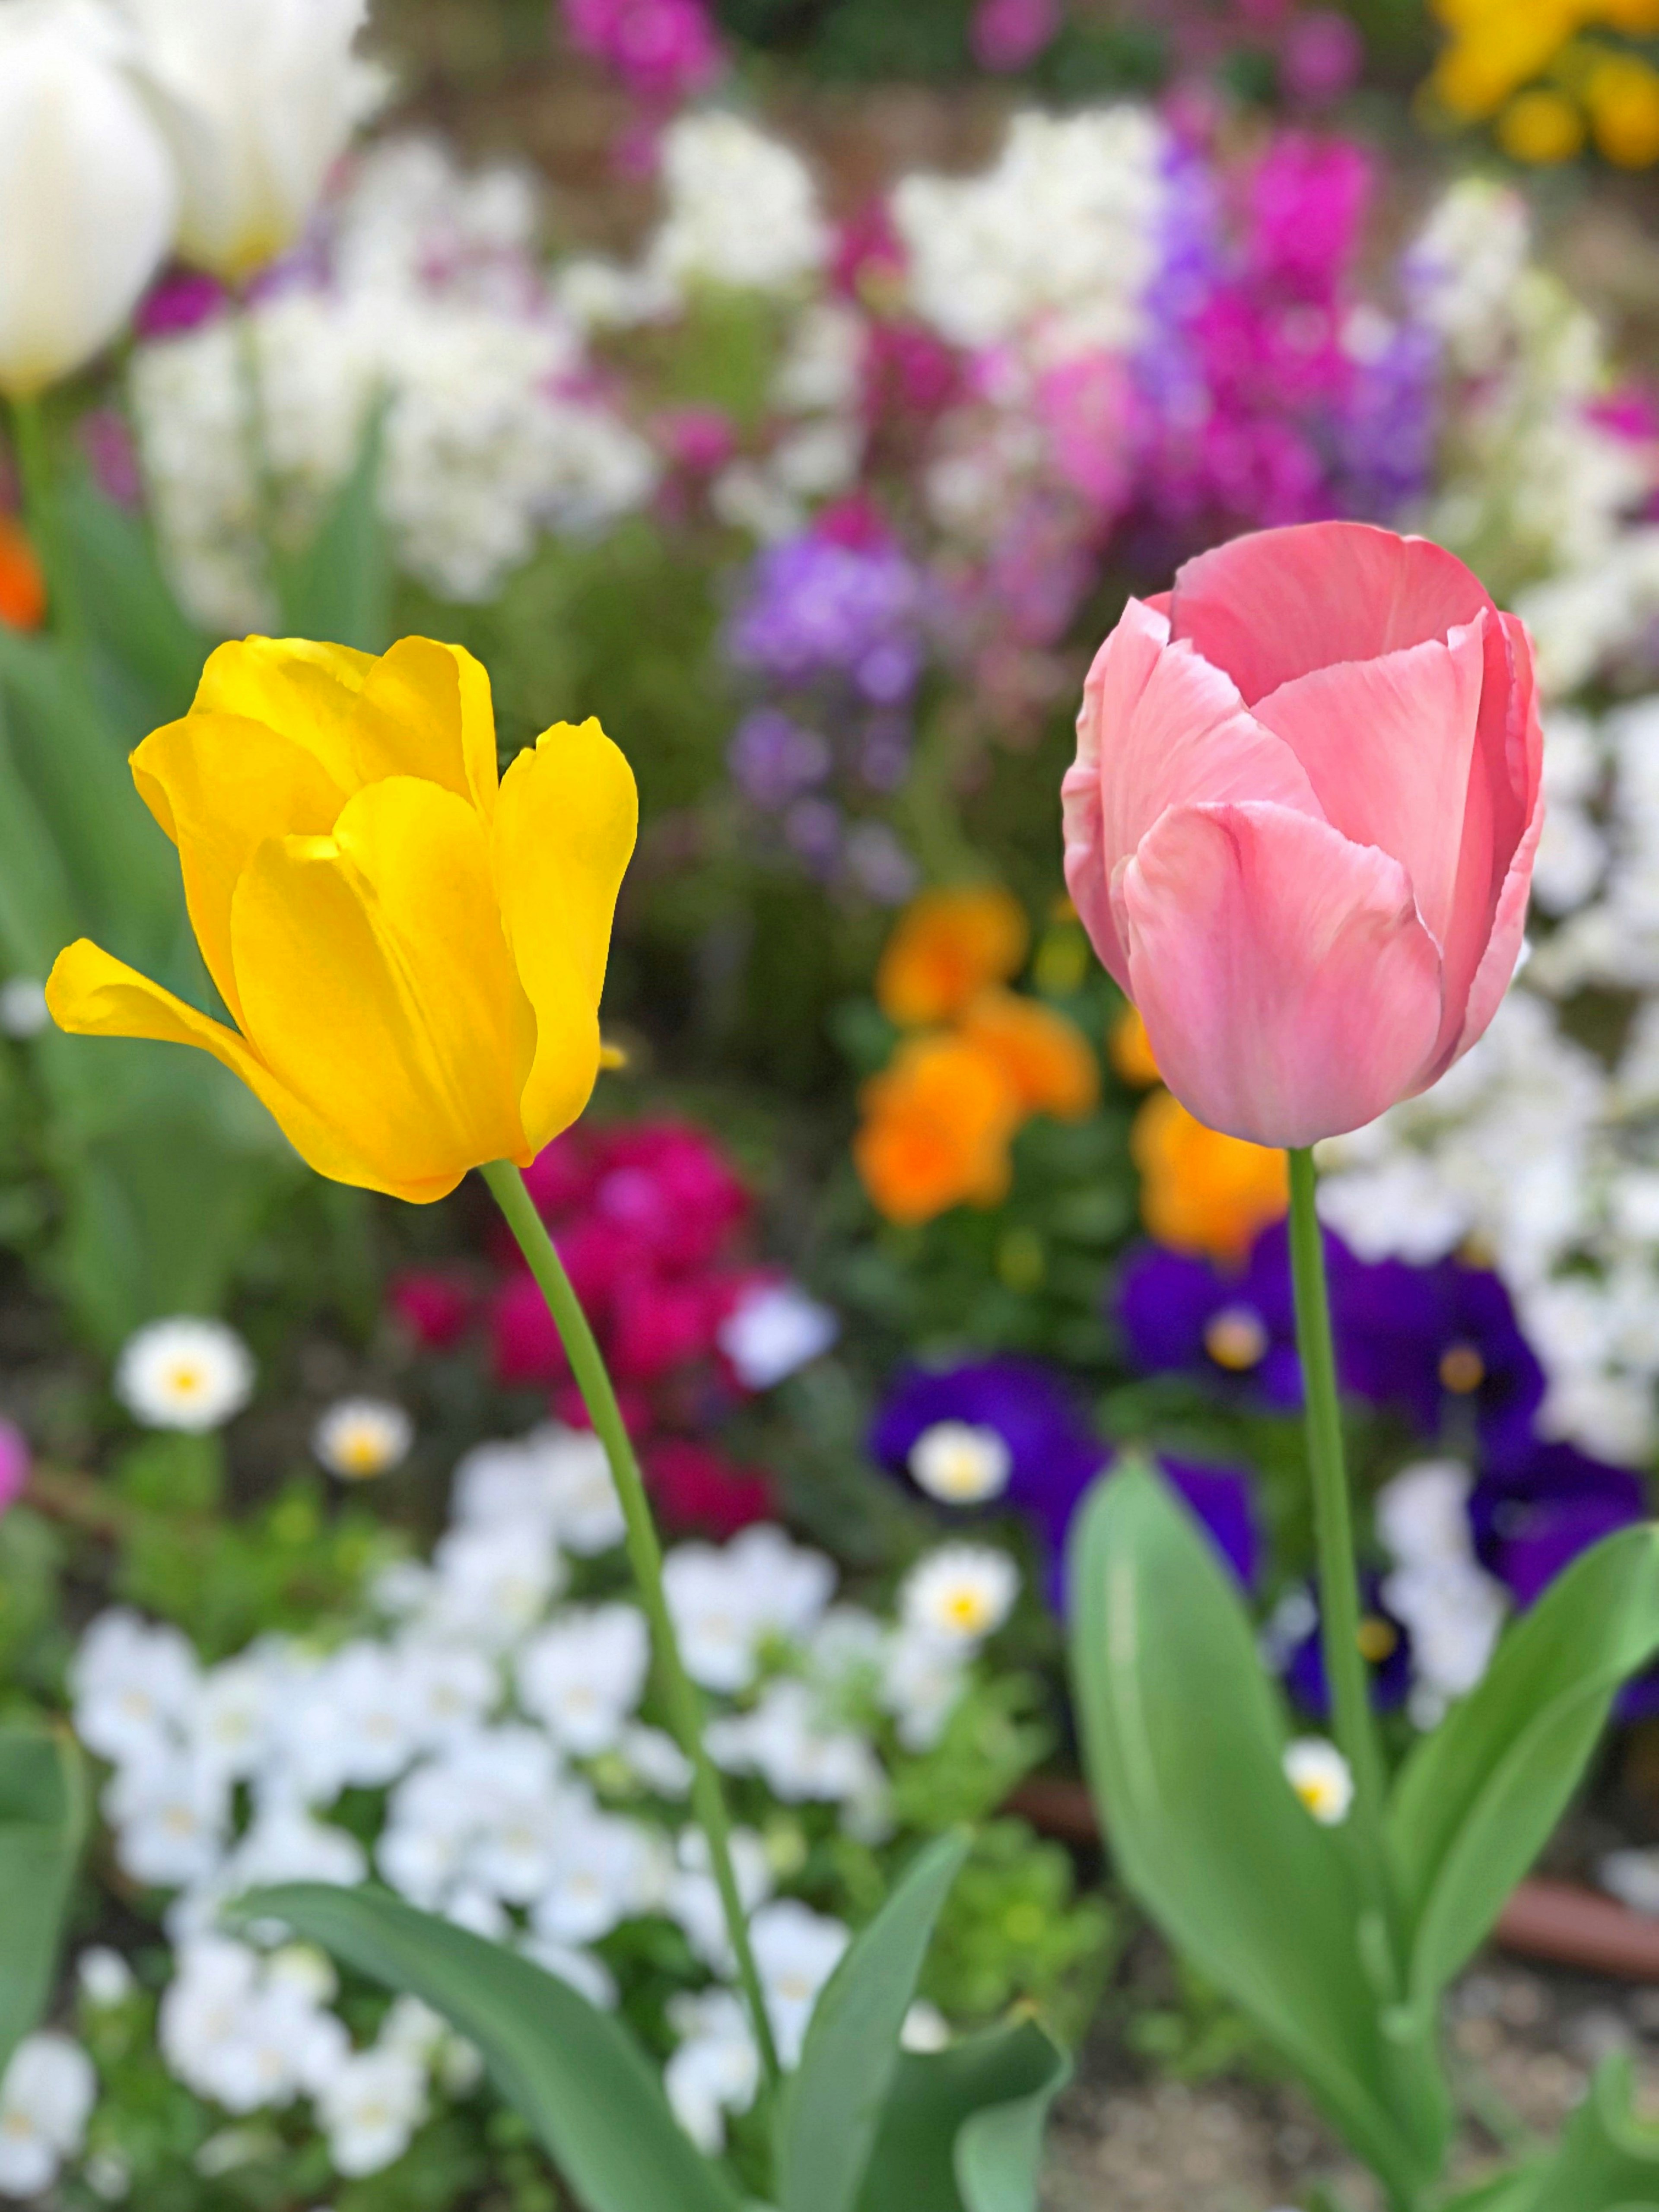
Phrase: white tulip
(87, 187)
(258, 97)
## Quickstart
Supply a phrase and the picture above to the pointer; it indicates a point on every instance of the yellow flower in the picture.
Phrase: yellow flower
(1199, 1191)
(412, 954)
(948, 946)
(1130, 1051)
(1622, 96)
(1540, 126)
(938, 1122)
(1046, 1059)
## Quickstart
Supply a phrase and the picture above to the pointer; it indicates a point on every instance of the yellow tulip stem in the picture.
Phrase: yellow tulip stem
(1349, 1688)
(645, 1557)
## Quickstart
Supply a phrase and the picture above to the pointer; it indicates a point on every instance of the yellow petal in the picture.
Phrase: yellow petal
(91, 993)
(564, 833)
(426, 712)
(375, 982)
(311, 693)
(219, 785)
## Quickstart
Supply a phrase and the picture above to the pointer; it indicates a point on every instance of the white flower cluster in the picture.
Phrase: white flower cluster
(431, 304)
(46, 2095)
(1057, 240)
(525, 1795)
(1451, 1607)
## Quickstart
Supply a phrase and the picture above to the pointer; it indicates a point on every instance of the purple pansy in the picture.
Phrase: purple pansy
(1384, 1640)
(1178, 1311)
(1223, 1499)
(1533, 1515)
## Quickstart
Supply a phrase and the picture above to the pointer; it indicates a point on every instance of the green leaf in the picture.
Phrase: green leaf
(1606, 2161)
(1479, 1797)
(1183, 1737)
(129, 603)
(339, 589)
(42, 1818)
(852, 2049)
(575, 2075)
(37, 912)
(962, 2129)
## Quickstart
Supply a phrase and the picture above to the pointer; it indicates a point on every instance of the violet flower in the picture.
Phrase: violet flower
(1384, 1639)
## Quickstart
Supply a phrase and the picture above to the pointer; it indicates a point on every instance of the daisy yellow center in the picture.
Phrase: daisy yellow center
(1316, 1793)
(362, 1452)
(1376, 1639)
(184, 1379)
(967, 1609)
(1462, 1368)
(1235, 1339)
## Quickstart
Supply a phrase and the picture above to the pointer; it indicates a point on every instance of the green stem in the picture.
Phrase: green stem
(645, 1557)
(1338, 1574)
(41, 511)
(255, 445)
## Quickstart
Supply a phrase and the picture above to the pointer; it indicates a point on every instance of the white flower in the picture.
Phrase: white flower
(184, 1374)
(104, 1977)
(1451, 1607)
(926, 2027)
(87, 186)
(1060, 237)
(693, 1898)
(961, 1462)
(284, 1844)
(796, 1951)
(656, 1760)
(45, 2098)
(1632, 1876)
(370, 2106)
(231, 1721)
(261, 95)
(960, 1592)
(447, 1689)
(347, 1722)
(715, 2070)
(921, 1679)
(248, 2037)
(584, 1675)
(602, 1870)
(1321, 1777)
(726, 1602)
(171, 1814)
(359, 1438)
(584, 1973)
(135, 1686)
(493, 1582)
(790, 1743)
(23, 1011)
(773, 1329)
(741, 207)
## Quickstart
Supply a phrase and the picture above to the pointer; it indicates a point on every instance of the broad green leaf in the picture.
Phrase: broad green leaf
(129, 603)
(42, 1818)
(852, 2049)
(339, 589)
(575, 2075)
(1606, 2161)
(1479, 1797)
(37, 912)
(1183, 1737)
(962, 2129)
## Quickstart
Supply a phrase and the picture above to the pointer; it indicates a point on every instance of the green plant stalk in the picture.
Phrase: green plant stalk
(255, 445)
(40, 509)
(1339, 1573)
(645, 1557)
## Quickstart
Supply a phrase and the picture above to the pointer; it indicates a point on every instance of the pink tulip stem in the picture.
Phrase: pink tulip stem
(645, 1557)
(1338, 1574)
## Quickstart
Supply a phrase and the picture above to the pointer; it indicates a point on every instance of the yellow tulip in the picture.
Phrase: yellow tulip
(412, 951)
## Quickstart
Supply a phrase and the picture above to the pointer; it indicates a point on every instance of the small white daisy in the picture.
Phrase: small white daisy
(1321, 1777)
(961, 1463)
(959, 1594)
(359, 1438)
(22, 1007)
(184, 1374)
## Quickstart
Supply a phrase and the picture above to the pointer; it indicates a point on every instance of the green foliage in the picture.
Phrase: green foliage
(43, 1817)
(1477, 1800)
(32, 1556)
(338, 586)
(831, 2114)
(1606, 2161)
(961, 2131)
(1183, 1737)
(575, 2074)
(1015, 1930)
(993, 1737)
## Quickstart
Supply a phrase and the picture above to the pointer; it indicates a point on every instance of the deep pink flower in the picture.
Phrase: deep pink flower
(434, 1305)
(180, 300)
(699, 1488)
(1322, 56)
(1007, 35)
(16, 1464)
(662, 50)
(1300, 822)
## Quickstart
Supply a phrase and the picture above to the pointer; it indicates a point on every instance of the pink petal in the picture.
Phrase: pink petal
(1388, 745)
(1492, 976)
(1289, 989)
(1159, 727)
(1278, 603)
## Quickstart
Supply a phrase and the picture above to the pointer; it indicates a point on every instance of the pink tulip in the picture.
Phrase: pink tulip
(1300, 822)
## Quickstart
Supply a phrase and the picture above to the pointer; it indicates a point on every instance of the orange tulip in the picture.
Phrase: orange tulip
(1046, 1057)
(1199, 1191)
(23, 586)
(948, 946)
(936, 1130)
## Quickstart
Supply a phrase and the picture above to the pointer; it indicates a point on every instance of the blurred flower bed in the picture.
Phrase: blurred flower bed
(888, 1230)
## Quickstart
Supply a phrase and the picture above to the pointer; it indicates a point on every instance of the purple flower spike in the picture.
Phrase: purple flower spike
(773, 759)
(818, 608)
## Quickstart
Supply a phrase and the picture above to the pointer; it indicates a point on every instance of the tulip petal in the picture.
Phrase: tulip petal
(427, 712)
(1289, 989)
(1387, 744)
(91, 993)
(219, 786)
(375, 984)
(1159, 727)
(311, 693)
(564, 833)
(1498, 962)
(1277, 604)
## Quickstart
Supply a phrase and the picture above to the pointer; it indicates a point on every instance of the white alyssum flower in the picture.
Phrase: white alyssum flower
(798, 1751)
(1058, 240)
(172, 1815)
(960, 1592)
(23, 1011)
(796, 1951)
(137, 1686)
(555, 1480)
(358, 1438)
(774, 1329)
(583, 1675)
(249, 2038)
(105, 1979)
(581, 1969)
(1632, 1876)
(89, 190)
(715, 2068)
(961, 1462)
(726, 1602)
(370, 2106)
(184, 1373)
(46, 2098)
(926, 2028)
(743, 209)
(1453, 1610)
(1321, 1777)
(601, 1869)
